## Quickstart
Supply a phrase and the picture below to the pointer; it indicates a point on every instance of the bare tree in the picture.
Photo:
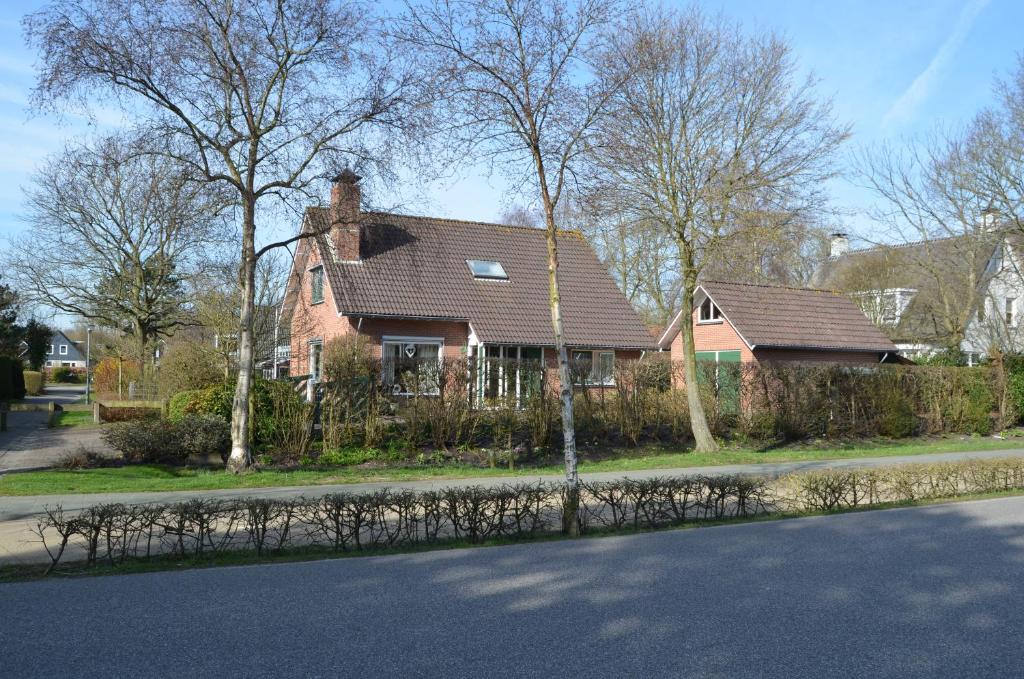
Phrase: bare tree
(933, 202)
(517, 90)
(710, 121)
(122, 229)
(259, 95)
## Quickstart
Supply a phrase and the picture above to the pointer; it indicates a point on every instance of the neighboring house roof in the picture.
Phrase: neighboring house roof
(770, 316)
(933, 269)
(416, 267)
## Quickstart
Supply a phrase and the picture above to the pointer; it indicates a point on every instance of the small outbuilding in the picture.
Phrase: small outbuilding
(746, 323)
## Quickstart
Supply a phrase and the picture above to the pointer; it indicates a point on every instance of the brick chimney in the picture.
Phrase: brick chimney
(345, 215)
(839, 245)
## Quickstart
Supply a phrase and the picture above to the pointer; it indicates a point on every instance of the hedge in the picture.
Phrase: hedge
(12, 380)
(389, 519)
(33, 382)
(646, 403)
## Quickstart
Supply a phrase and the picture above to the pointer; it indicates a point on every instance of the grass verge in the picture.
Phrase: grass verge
(74, 418)
(157, 478)
(23, 572)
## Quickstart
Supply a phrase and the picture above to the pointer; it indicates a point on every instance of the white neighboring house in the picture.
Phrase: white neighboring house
(899, 298)
(996, 322)
(64, 353)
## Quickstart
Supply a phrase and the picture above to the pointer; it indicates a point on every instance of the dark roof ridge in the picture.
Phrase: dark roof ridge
(452, 220)
(770, 285)
(909, 244)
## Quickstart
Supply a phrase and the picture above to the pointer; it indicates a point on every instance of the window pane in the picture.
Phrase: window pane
(317, 285)
(582, 365)
(411, 367)
(605, 368)
(486, 269)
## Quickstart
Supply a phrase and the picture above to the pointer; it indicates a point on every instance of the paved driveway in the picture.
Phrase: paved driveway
(919, 592)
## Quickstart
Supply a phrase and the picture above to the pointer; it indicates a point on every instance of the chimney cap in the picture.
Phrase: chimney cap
(839, 234)
(346, 176)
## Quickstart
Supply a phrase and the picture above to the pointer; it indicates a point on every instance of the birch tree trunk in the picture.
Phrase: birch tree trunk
(241, 451)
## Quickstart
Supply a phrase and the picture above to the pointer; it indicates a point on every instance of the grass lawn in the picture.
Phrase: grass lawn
(75, 418)
(148, 478)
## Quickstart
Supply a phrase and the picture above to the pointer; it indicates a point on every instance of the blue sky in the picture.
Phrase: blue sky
(895, 69)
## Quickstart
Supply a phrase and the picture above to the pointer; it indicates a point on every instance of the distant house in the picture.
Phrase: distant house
(425, 289)
(64, 353)
(745, 323)
(916, 292)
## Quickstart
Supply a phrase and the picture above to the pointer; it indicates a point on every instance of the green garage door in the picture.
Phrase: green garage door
(726, 374)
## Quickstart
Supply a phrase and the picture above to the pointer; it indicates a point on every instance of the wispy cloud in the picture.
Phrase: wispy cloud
(905, 107)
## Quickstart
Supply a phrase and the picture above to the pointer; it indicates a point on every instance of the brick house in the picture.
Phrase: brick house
(750, 324)
(424, 288)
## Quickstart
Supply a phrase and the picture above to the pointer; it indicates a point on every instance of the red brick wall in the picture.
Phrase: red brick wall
(712, 337)
(455, 334)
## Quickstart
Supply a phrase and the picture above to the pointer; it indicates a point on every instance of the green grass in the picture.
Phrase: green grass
(242, 557)
(74, 418)
(150, 478)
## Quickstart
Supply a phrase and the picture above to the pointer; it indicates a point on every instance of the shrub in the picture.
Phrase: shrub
(6, 378)
(65, 375)
(188, 366)
(148, 440)
(204, 435)
(33, 382)
(281, 417)
(83, 458)
(18, 389)
(153, 440)
(113, 375)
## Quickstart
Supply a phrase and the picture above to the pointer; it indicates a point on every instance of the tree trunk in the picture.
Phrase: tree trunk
(698, 420)
(570, 515)
(241, 452)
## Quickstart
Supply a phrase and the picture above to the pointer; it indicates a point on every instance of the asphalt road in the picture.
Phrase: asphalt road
(922, 592)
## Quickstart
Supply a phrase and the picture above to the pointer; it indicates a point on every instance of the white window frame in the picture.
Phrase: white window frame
(51, 351)
(1010, 314)
(595, 361)
(716, 313)
(63, 350)
(507, 353)
(485, 277)
(403, 339)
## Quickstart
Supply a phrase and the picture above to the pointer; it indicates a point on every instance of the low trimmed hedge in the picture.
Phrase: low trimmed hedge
(389, 519)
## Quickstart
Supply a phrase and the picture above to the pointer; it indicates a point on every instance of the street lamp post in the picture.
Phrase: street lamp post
(88, 362)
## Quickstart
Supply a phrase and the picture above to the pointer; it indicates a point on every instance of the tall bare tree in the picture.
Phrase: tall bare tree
(121, 229)
(517, 90)
(710, 121)
(931, 198)
(259, 95)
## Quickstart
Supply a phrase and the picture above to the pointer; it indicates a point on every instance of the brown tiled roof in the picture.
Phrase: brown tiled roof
(777, 316)
(415, 267)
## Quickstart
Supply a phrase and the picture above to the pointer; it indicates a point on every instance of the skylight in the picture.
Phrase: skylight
(484, 269)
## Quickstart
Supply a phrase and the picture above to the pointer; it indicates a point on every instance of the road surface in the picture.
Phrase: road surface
(916, 592)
